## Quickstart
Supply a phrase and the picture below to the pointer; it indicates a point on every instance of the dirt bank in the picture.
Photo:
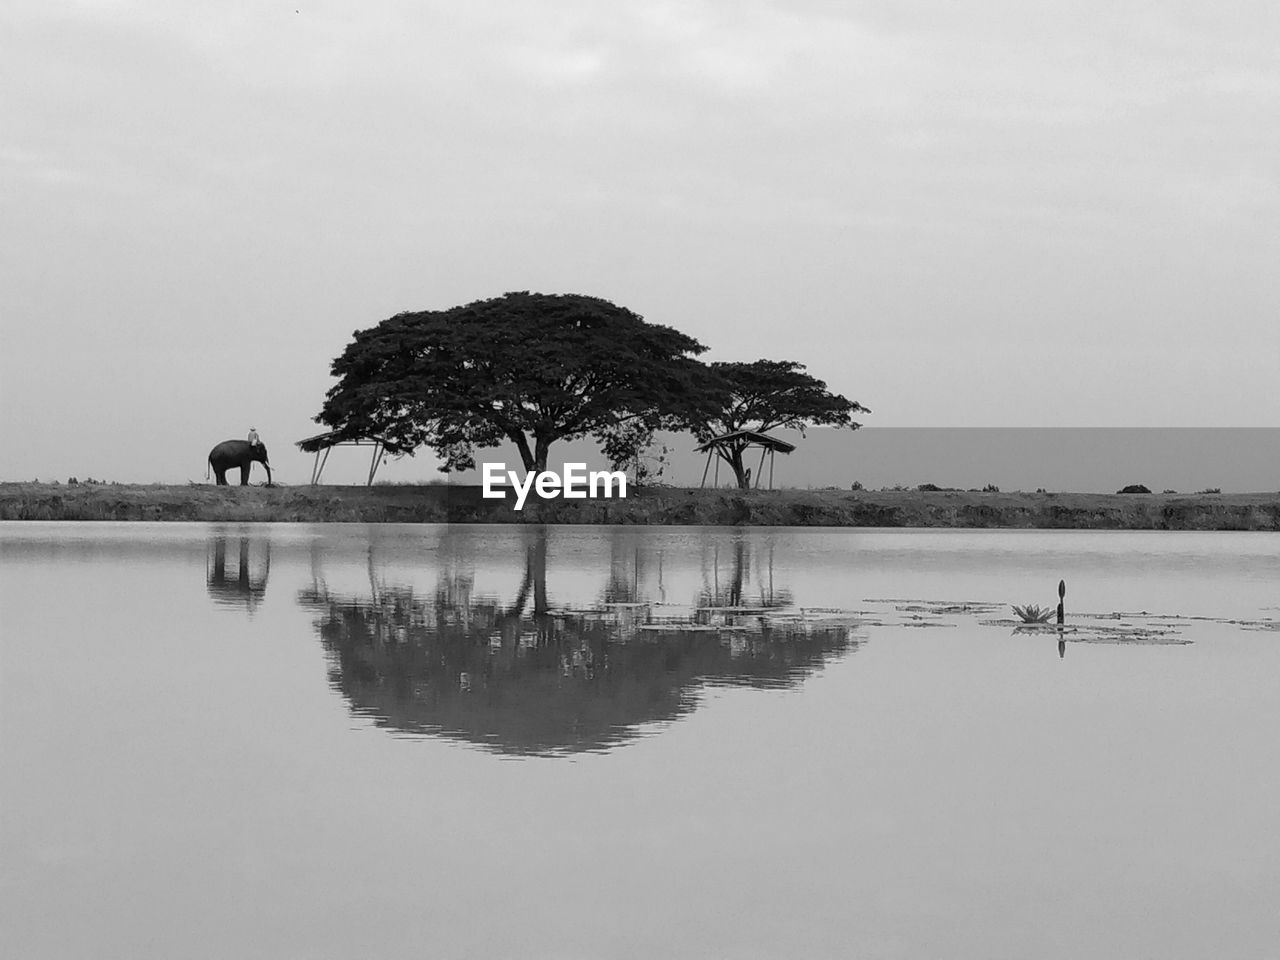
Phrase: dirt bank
(443, 503)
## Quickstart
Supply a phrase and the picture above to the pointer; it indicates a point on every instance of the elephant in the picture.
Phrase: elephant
(237, 453)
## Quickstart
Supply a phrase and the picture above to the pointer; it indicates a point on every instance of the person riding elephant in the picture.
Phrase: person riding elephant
(238, 453)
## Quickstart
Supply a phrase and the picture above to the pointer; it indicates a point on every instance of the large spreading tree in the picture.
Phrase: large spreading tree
(530, 368)
(763, 396)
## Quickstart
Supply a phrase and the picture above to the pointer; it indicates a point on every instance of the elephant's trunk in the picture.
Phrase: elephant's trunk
(268, 469)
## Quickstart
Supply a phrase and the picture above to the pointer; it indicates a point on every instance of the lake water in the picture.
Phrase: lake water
(336, 741)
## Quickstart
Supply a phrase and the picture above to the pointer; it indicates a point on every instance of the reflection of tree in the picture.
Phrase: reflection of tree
(245, 583)
(520, 678)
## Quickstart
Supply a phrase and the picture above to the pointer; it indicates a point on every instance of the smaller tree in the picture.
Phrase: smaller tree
(633, 445)
(763, 396)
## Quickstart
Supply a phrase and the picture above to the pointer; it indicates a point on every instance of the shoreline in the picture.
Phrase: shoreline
(445, 503)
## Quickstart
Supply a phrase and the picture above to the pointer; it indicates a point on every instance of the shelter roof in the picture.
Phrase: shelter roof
(748, 437)
(335, 438)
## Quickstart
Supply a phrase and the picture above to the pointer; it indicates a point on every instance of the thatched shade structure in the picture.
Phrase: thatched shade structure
(738, 441)
(322, 443)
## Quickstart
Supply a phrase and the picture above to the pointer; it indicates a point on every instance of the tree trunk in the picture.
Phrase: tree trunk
(526, 455)
(734, 459)
(540, 450)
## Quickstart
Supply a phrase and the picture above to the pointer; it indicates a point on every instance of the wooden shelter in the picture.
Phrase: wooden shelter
(322, 443)
(725, 447)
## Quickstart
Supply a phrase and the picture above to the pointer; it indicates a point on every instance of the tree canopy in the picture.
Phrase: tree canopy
(531, 368)
(763, 396)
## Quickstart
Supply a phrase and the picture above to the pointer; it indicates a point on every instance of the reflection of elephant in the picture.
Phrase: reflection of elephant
(237, 453)
(246, 583)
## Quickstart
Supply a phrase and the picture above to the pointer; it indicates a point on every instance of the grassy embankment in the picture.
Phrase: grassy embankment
(442, 503)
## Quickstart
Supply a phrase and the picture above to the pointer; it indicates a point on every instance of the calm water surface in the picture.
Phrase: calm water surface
(336, 741)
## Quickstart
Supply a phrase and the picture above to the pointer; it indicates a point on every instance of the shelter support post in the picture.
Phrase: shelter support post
(319, 465)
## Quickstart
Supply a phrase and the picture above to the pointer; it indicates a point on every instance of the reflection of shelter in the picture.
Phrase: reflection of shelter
(731, 447)
(322, 443)
(729, 591)
(243, 582)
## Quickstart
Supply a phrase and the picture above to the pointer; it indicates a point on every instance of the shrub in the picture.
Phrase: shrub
(928, 488)
(1169, 491)
(1210, 490)
(1135, 488)
(990, 488)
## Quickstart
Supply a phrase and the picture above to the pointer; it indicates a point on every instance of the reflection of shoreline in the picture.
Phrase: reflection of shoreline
(525, 678)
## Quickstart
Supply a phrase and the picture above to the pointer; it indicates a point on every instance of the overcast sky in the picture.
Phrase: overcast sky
(956, 213)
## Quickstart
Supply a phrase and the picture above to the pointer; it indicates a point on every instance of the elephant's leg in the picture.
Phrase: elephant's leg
(221, 474)
(244, 473)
